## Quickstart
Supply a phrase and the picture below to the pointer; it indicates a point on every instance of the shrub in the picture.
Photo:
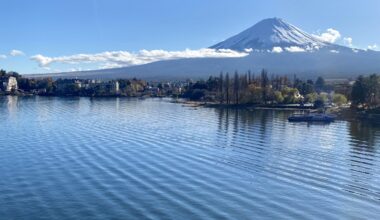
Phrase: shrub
(339, 99)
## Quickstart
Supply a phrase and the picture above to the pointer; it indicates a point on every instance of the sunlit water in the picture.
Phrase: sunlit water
(81, 158)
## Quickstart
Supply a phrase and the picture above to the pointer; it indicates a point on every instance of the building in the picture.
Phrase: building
(10, 84)
(116, 87)
(78, 83)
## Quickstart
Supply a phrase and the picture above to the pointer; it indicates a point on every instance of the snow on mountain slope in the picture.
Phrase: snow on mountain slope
(277, 46)
(270, 33)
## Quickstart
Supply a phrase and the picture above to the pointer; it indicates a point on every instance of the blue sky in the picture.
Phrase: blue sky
(56, 28)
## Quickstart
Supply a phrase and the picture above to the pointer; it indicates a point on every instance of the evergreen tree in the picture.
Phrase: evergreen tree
(320, 84)
(359, 91)
(2, 72)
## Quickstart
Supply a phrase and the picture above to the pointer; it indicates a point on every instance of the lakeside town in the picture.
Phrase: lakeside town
(236, 90)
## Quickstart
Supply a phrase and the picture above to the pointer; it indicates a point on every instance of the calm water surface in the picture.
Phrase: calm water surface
(81, 158)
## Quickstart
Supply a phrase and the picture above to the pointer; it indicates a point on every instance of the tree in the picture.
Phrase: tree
(320, 84)
(2, 72)
(319, 103)
(212, 84)
(278, 97)
(305, 88)
(339, 99)
(323, 97)
(254, 94)
(366, 91)
(14, 74)
(311, 97)
(227, 86)
(373, 85)
(236, 87)
(197, 94)
(71, 89)
(221, 85)
(200, 85)
(291, 95)
(264, 84)
(243, 87)
(123, 84)
(359, 91)
(24, 84)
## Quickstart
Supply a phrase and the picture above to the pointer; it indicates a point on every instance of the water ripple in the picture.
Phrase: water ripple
(65, 158)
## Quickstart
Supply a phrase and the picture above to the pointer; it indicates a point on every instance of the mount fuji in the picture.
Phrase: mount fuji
(274, 33)
(271, 44)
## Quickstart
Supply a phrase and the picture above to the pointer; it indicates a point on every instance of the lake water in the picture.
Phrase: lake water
(82, 158)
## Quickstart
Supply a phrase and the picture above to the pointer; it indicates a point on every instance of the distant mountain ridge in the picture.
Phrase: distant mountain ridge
(297, 52)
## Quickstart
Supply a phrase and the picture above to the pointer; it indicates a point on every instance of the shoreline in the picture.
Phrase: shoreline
(342, 113)
(242, 106)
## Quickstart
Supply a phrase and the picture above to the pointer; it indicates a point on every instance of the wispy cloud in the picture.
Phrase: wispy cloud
(2, 56)
(331, 36)
(15, 53)
(125, 58)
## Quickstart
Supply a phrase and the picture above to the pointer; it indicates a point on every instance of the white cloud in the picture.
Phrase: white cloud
(355, 50)
(331, 36)
(125, 58)
(75, 69)
(372, 47)
(334, 51)
(294, 49)
(110, 66)
(277, 50)
(248, 50)
(348, 41)
(15, 53)
(2, 56)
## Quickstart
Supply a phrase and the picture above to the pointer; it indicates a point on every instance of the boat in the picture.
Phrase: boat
(312, 118)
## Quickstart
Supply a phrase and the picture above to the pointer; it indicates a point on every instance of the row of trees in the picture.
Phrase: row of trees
(225, 89)
(4, 74)
(121, 87)
(263, 89)
(30, 84)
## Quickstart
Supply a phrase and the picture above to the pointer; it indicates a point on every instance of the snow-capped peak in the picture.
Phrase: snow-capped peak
(271, 33)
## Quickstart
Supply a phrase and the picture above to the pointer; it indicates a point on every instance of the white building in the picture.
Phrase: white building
(10, 84)
(117, 87)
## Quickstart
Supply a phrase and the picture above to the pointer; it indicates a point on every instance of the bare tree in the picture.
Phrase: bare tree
(221, 85)
(236, 87)
(227, 88)
(264, 85)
